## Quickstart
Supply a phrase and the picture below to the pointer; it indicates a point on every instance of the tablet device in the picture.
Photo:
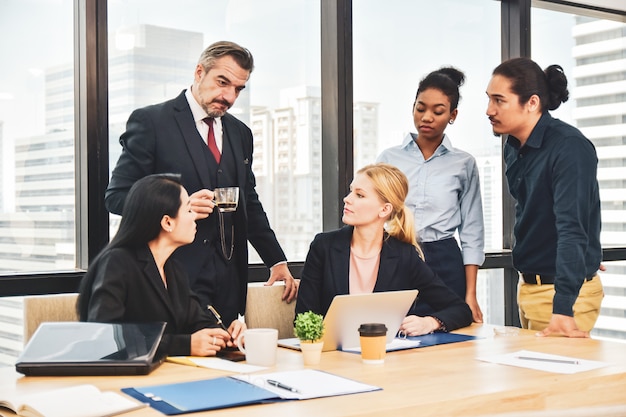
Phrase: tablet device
(347, 312)
(85, 348)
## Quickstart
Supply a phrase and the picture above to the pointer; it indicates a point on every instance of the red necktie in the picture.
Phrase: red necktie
(211, 140)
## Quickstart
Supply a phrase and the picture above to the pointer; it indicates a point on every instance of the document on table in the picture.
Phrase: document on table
(431, 339)
(214, 363)
(544, 362)
(305, 384)
(243, 389)
(396, 344)
(74, 401)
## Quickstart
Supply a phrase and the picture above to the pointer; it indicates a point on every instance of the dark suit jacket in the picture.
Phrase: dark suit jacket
(124, 285)
(326, 272)
(163, 138)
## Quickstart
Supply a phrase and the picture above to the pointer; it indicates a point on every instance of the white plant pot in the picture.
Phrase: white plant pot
(311, 352)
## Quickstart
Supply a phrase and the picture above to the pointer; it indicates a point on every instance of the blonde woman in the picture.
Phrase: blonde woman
(378, 251)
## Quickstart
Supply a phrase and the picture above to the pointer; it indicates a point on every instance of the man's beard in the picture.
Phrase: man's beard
(217, 113)
(213, 113)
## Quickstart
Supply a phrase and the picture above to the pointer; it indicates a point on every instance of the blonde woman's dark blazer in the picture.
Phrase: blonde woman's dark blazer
(326, 270)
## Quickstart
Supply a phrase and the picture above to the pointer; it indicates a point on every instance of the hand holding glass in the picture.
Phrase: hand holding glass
(226, 198)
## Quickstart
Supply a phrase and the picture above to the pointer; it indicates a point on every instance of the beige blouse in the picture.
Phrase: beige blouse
(363, 273)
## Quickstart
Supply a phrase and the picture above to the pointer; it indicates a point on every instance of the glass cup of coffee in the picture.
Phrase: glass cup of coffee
(226, 198)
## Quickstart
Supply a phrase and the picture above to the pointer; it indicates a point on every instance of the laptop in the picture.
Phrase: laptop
(347, 312)
(85, 348)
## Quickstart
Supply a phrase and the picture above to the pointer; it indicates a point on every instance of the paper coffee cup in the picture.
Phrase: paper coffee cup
(373, 337)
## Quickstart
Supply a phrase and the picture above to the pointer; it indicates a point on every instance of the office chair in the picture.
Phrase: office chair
(49, 307)
(264, 308)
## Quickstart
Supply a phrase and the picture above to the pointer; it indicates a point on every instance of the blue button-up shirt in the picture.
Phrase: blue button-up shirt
(444, 194)
(557, 215)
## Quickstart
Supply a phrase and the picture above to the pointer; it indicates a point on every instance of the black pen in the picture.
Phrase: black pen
(218, 318)
(529, 358)
(282, 386)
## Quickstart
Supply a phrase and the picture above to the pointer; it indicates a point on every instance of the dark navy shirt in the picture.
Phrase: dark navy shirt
(557, 215)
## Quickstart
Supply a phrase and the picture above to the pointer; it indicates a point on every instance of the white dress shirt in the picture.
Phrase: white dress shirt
(199, 115)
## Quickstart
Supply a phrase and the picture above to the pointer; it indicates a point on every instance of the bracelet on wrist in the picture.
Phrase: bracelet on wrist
(442, 326)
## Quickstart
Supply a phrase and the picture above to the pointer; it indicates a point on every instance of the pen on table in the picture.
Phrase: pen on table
(282, 386)
(529, 358)
(218, 318)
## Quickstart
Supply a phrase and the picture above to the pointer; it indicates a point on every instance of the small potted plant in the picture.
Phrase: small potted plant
(309, 328)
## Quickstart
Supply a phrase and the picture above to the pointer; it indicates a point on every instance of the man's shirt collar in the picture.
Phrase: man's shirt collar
(535, 140)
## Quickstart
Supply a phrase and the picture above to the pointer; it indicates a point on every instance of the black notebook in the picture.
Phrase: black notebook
(84, 348)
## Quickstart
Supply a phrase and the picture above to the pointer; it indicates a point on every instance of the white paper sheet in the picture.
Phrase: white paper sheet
(310, 383)
(544, 362)
(396, 344)
(225, 365)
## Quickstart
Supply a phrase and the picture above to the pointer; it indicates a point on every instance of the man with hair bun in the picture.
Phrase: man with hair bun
(551, 171)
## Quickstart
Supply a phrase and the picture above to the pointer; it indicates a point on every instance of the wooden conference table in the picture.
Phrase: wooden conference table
(444, 380)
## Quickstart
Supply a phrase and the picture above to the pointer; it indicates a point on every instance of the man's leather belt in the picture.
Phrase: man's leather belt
(546, 279)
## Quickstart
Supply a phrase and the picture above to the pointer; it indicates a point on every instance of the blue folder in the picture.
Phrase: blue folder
(426, 340)
(238, 390)
(209, 394)
(439, 338)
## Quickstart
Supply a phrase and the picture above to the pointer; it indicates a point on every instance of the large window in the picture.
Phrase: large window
(454, 33)
(37, 216)
(153, 50)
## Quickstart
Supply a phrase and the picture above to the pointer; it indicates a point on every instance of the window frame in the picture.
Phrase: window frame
(92, 131)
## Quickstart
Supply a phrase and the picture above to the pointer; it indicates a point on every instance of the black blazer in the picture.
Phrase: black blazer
(124, 285)
(326, 274)
(163, 138)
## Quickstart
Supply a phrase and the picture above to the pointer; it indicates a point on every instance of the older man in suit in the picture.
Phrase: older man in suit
(193, 135)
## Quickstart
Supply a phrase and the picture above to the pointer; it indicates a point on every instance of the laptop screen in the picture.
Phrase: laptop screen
(85, 348)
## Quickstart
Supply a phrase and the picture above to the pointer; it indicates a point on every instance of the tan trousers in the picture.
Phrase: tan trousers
(535, 304)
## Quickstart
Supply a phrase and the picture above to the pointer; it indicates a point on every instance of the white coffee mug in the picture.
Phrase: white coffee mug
(259, 345)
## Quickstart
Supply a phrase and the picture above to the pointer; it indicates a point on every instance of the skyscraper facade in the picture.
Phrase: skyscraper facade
(599, 94)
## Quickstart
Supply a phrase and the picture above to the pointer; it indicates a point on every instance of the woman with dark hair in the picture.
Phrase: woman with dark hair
(444, 194)
(134, 279)
(377, 252)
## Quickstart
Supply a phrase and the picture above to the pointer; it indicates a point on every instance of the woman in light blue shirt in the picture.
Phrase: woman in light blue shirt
(444, 190)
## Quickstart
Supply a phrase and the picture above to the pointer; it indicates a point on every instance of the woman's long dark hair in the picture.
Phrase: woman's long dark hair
(148, 200)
